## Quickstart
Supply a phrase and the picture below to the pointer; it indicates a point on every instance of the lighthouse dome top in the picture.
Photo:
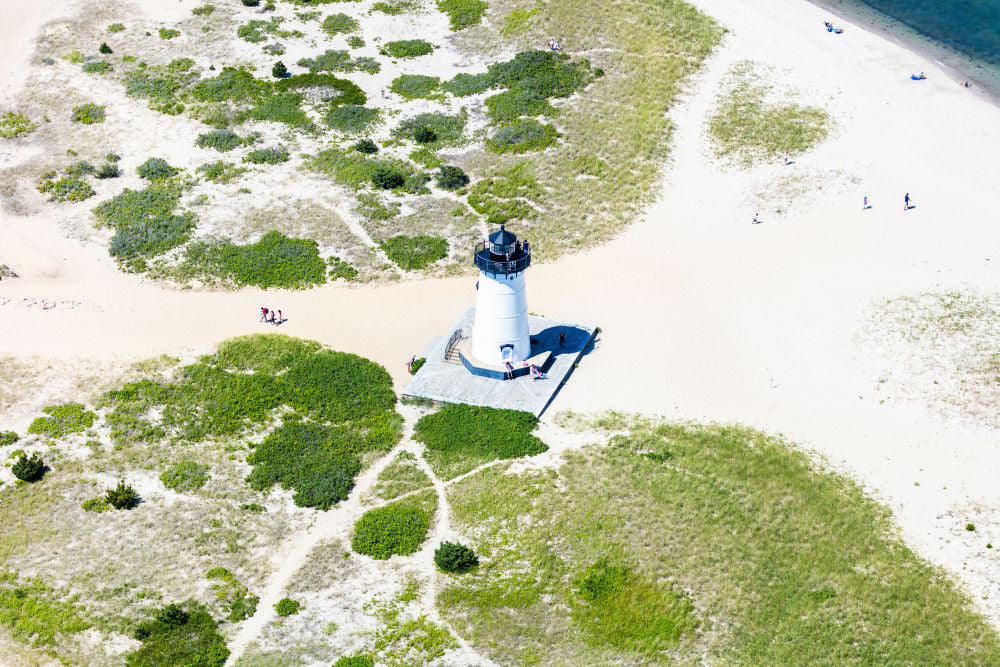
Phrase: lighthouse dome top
(502, 239)
(502, 253)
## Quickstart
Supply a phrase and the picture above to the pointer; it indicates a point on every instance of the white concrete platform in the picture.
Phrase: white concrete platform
(451, 382)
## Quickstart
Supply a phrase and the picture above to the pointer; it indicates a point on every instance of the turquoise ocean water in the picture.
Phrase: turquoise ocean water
(963, 35)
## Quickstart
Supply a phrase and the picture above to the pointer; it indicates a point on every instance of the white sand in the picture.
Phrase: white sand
(704, 315)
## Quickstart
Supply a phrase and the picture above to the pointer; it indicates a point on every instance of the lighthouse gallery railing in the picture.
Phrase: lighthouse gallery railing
(518, 261)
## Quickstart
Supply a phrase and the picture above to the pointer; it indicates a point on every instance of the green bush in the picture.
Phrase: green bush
(270, 155)
(185, 476)
(368, 65)
(233, 84)
(352, 118)
(357, 660)
(329, 61)
(512, 104)
(116, 27)
(203, 10)
(386, 177)
(172, 614)
(221, 172)
(282, 108)
(28, 468)
(122, 497)
(15, 125)
(355, 41)
(341, 269)
(274, 261)
(8, 438)
(338, 23)
(396, 529)
(88, 114)
(104, 48)
(144, 84)
(366, 146)
(417, 365)
(463, 13)
(108, 170)
(97, 67)
(220, 140)
(239, 602)
(251, 3)
(276, 49)
(62, 420)
(451, 178)
(459, 437)
(396, 7)
(144, 221)
(167, 640)
(96, 504)
(455, 557)
(447, 129)
(413, 86)
(464, 84)
(407, 48)
(256, 30)
(415, 252)
(287, 607)
(169, 33)
(522, 135)
(32, 614)
(279, 70)
(81, 168)
(155, 168)
(424, 135)
(69, 188)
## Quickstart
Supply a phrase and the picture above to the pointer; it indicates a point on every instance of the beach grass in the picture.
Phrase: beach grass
(734, 543)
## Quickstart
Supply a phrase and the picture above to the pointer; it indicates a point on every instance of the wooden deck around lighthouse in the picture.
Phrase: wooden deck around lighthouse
(449, 381)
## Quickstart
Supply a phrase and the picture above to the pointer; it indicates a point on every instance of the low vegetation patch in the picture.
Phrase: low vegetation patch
(67, 188)
(352, 118)
(269, 155)
(62, 420)
(88, 114)
(663, 508)
(463, 13)
(341, 270)
(220, 140)
(220, 172)
(414, 86)
(97, 67)
(155, 168)
(445, 129)
(185, 476)
(237, 601)
(396, 529)
(400, 477)
(13, 124)
(413, 253)
(335, 24)
(749, 130)
(274, 261)
(33, 612)
(145, 221)
(179, 635)
(461, 437)
(407, 48)
(523, 135)
(287, 607)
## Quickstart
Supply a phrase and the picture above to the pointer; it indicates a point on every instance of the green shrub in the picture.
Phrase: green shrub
(451, 178)
(341, 269)
(185, 476)
(221, 172)
(8, 438)
(240, 604)
(329, 61)
(104, 48)
(455, 557)
(352, 118)
(462, 13)
(232, 84)
(447, 129)
(172, 614)
(169, 33)
(96, 504)
(366, 146)
(256, 30)
(276, 49)
(15, 125)
(270, 155)
(251, 3)
(97, 67)
(88, 114)
(522, 135)
(417, 365)
(122, 497)
(970, 527)
(62, 420)
(116, 27)
(144, 220)
(368, 65)
(203, 10)
(396, 7)
(512, 104)
(386, 177)
(155, 168)
(415, 252)
(282, 108)
(28, 468)
(407, 48)
(337, 23)
(324, 87)
(424, 135)
(413, 86)
(81, 168)
(287, 607)
(169, 640)
(274, 261)
(279, 70)
(144, 84)
(396, 529)
(220, 140)
(69, 188)
(357, 660)
(32, 613)
(355, 41)
(464, 84)
(108, 170)
(459, 437)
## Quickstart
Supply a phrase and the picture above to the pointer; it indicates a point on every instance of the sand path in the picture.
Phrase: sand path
(704, 316)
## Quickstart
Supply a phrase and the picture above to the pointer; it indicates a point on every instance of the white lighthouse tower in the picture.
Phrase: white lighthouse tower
(500, 332)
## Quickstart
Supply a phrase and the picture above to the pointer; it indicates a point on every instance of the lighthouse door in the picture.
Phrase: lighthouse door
(507, 352)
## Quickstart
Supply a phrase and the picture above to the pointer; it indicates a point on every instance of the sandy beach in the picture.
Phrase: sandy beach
(703, 315)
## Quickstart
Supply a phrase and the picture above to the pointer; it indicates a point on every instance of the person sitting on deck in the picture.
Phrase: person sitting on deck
(510, 370)
(535, 373)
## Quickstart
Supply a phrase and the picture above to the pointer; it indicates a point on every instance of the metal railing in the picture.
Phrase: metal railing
(449, 350)
(518, 262)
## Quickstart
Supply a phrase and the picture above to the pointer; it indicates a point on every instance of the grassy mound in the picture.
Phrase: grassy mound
(396, 529)
(460, 437)
(786, 564)
(274, 261)
(179, 637)
(415, 252)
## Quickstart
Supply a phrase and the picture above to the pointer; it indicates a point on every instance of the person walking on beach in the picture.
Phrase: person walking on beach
(271, 320)
(263, 314)
(906, 202)
(864, 207)
(280, 318)
(756, 219)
